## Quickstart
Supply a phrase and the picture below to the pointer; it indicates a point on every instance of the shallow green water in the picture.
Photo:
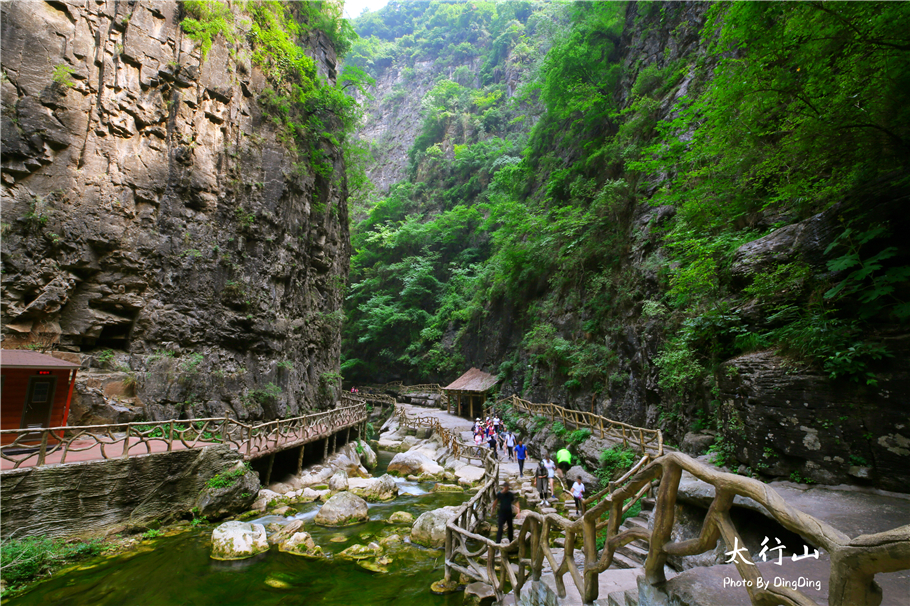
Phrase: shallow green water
(177, 570)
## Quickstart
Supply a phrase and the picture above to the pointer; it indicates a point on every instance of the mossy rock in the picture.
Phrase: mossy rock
(320, 487)
(446, 488)
(361, 552)
(249, 515)
(375, 565)
(401, 517)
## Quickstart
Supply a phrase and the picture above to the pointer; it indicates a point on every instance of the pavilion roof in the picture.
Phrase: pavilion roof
(473, 380)
(24, 358)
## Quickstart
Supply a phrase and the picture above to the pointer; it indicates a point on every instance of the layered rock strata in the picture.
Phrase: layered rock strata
(151, 208)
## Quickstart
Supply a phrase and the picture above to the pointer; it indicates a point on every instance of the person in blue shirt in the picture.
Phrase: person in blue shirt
(521, 452)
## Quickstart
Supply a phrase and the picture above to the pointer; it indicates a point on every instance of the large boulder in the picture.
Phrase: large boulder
(344, 463)
(238, 541)
(430, 528)
(587, 479)
(374, 489)
(401, 517)
(341, 510)
(368, 456)
(288, 530)
(302, 544)
(264, 498)
(338, 482)
(234, 490)
(414, 463)
(469, 475)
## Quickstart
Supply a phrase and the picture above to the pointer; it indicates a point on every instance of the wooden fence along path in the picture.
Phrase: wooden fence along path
(646, 440)
(54, 445)
(854, 562)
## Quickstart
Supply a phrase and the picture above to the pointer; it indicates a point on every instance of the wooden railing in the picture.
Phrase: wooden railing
(449, 438)
(854, 562)
(646, 440)
(376, 398)
(32, 447)
(424, 388)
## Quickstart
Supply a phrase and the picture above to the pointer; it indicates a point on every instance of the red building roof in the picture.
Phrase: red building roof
(473, 380)
(24, 358)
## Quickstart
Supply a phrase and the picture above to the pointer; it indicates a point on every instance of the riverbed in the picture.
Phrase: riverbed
(176, 570)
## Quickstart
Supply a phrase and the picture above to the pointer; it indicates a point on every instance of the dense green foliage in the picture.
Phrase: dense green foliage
(794, 109)
(309, 111)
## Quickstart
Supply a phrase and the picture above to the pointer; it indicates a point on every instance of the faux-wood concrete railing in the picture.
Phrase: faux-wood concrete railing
(647, 440)
(123, 440)
(448, 437)
(854, 562)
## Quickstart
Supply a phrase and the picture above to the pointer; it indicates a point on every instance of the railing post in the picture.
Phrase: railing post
(42, 451)
(170, 437)
(126, 443)
(665, 512)
(224, 431)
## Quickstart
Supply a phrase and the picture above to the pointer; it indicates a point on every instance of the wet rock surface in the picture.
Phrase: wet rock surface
(238, 541)
(430, 528)
(342, 509)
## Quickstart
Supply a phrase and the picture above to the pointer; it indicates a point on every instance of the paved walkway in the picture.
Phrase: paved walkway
(91, 450)
(104, 447)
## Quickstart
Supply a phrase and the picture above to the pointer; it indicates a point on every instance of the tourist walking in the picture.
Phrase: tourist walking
(541, 478)
(510, 445)
(521, 453)
(563, 461)
(551, 473)
(508, 508)
(578, 493)
(492, 442)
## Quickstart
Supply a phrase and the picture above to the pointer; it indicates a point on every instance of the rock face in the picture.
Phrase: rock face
(341, 510)
(215, 502)
(803, 424)
(151, 207)
(108, 496)
(238, 541)
(430, 528)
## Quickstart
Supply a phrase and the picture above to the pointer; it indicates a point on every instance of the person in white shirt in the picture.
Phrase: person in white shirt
(578, 493)
(510, 444)
(550, 466)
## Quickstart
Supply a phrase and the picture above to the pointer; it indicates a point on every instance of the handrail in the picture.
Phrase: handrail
(854, 562)
(646, 439)
(123, 440)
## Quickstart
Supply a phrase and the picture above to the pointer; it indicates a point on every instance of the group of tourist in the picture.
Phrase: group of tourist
(493, 432)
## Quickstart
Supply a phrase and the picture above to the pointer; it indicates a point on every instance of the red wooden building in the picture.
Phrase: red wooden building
(35, 390)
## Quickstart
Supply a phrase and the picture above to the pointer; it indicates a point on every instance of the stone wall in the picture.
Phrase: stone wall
(151, 208)
(93, 498)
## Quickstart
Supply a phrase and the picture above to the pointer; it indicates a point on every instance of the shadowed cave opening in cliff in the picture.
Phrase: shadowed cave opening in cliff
(114, 336)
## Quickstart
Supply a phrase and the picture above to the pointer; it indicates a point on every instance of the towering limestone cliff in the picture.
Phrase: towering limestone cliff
(682, 216)
(175, 202)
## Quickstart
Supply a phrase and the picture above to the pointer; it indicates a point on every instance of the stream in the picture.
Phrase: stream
(176, 570)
